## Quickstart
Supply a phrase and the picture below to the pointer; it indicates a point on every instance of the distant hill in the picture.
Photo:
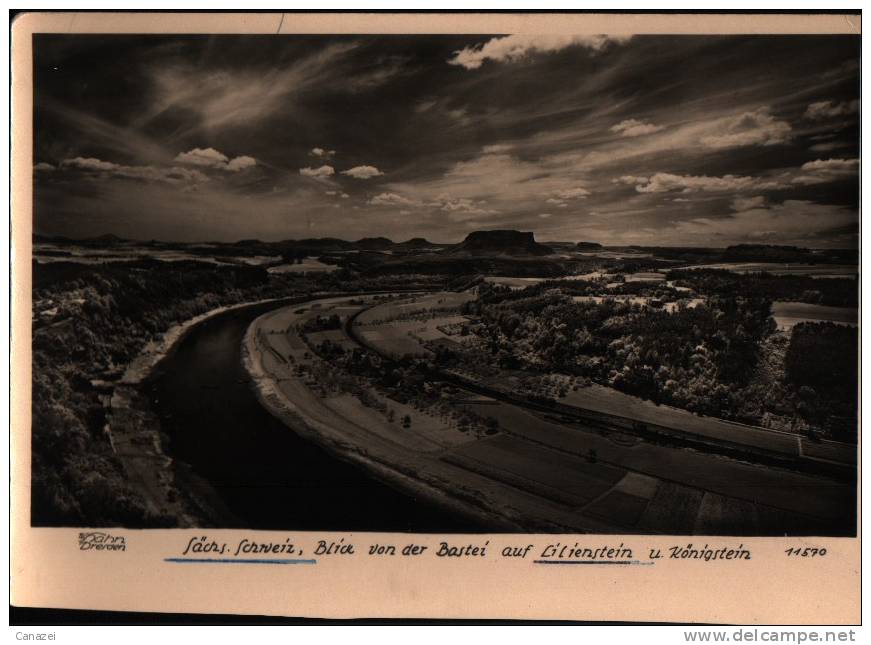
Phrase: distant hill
(589, 246)
(374, 244)
(320, 244)
(107, 239)
(500, 242)
(766, 253)
(418, 243)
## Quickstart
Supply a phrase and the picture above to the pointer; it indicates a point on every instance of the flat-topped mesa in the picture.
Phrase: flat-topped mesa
(501, 242)
(589, 246)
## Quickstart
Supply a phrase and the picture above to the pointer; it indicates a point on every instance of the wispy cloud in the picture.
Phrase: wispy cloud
(519, 46)
(792, 221)
(562, 197)
(234, 97)
(527, 134)
(635, 128)
(107, 169)
(756, 128)
(663, 182)
(822, 110)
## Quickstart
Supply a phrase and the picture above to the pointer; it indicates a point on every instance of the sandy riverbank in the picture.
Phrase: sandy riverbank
(156, 350)
(394, 470)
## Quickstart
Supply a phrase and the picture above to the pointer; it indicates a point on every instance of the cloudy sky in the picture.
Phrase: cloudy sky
(677, 140)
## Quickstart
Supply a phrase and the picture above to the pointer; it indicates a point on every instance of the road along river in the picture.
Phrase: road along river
(266, 475)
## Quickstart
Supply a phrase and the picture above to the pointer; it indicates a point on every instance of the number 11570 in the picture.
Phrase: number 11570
(807, 552)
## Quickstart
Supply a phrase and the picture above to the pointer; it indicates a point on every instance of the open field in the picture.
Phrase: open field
(564, 478)
(394, 340)
(610, 401)
(820, 497)
(46, 253)
(781, 268)
(788, 314)
(308, 265)
(520, 283)
(403, 328)
(644, 276)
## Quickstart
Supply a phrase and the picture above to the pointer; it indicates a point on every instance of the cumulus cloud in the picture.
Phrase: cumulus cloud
(318, 173)
(545, 215)
(518, 46)
(211, 158)
(496, 149)
(322, 152)
(635, 128)
(207, 157)
(362, 172)
(461, 207)
(457, 208)
(820, 171)
(822, 110)
(240, 163)
(749, 203)
(391, 199)
(42, 166)
(755, 128)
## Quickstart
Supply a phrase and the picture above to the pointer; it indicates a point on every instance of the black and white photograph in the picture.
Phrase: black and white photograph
(449, 283)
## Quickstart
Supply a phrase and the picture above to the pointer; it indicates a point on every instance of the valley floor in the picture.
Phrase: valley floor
(539, 471)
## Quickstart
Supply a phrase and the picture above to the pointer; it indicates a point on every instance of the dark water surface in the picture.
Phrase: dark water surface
(265, 474)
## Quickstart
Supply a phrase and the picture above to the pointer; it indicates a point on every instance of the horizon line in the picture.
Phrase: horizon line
(392, 241)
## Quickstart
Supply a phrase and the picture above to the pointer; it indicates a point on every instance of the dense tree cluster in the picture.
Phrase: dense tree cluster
(695, 357)
(721, 358)
(104, 316)
(321, 323)
(822, 363)
(92, 320)
(838, 292)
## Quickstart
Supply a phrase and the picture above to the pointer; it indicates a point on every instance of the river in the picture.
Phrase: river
(265, 474)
